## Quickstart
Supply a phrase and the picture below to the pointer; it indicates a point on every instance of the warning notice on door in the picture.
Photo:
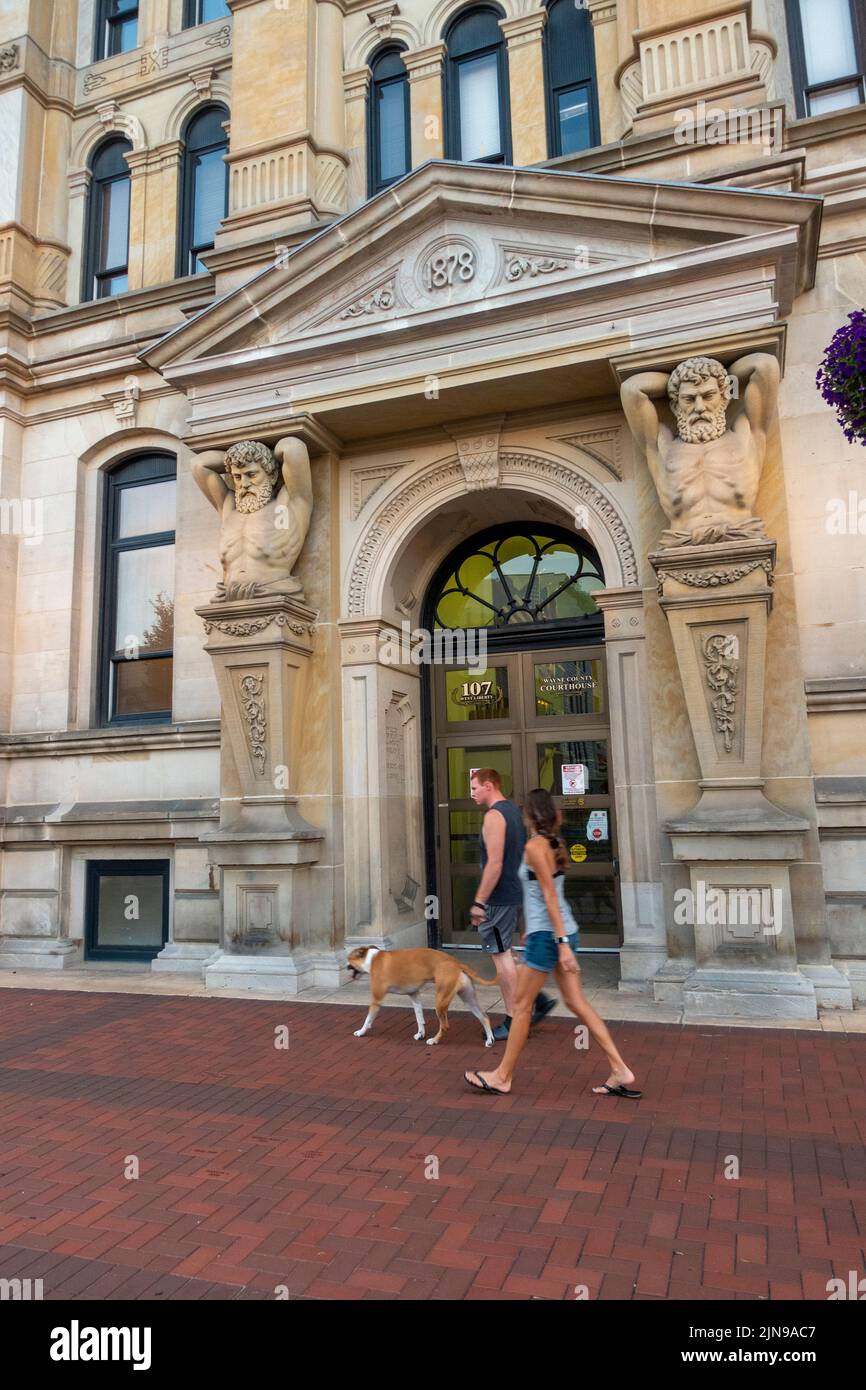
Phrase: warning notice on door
(573, 779)
(596, 826)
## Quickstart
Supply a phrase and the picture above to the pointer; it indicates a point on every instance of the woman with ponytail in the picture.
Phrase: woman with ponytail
(550, 943)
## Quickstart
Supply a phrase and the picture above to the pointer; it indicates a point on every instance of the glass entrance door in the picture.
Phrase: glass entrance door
(539, 718)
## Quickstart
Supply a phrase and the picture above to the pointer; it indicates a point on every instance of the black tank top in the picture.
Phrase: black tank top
(508, 890)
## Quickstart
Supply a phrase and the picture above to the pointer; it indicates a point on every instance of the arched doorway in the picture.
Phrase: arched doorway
(535, 707)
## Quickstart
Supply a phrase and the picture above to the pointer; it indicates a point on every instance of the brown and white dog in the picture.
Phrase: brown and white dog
(406, 972)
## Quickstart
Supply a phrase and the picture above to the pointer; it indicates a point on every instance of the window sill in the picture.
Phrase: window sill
(203, 733)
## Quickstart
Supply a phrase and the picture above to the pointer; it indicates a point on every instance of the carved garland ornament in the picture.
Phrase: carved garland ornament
(383, 299)
(713, 579)
(722, 680)
(253, 706)
(248, 627)
(517, 266)
(439, 479)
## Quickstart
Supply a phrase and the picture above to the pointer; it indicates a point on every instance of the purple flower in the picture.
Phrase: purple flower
(841, 378)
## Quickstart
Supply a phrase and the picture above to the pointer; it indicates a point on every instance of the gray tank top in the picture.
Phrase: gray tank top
(535, 914)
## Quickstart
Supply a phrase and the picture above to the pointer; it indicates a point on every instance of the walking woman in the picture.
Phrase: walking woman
(550, 942)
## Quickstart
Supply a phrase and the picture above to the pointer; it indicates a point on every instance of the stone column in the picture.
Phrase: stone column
(737, 844)
(156, 183)
(260, 648)
(715, 568)
(604, 15)
(644, 948)
(79, 188)
(287, 164)
(260, 637)
(356, 88)
(524, 37)
(329, 108)
(383, 821)
(424, 66)
(137, 161)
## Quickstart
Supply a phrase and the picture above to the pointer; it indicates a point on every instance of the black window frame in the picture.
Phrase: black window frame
(135, 471)
(453, 63)
(120, 868)
(580, 56)
(187, 253)
(109, 25)
(192, 17)
(802, 89)
(375, 183)
(93, 277)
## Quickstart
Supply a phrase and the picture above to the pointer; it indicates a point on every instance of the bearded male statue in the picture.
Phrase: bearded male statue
(265, 499)
(707, 476)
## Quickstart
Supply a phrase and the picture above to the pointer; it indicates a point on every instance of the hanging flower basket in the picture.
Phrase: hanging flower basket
(841, 377)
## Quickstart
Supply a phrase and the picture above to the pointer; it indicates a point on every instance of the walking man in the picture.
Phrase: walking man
(500, 893)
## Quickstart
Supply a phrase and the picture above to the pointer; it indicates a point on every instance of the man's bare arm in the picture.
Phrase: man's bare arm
(760, 373)
(208, 469)
(493, 831)
(293, 457)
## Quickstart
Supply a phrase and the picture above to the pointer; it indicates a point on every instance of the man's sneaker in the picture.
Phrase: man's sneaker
(500, 1033)
(543, 1005)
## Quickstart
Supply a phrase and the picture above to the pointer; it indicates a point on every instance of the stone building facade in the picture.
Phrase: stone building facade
(433, 242)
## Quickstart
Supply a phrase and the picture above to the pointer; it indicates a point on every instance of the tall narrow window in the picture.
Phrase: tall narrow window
(116, 27)
(138, 606)
(203, 11)
(569, 60)
(204, 199)
(828, 54)
(476, 88)
(388, 123)
(107, 235)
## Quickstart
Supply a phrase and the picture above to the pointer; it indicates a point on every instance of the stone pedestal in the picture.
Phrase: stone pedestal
(263, 846)
(737, 845)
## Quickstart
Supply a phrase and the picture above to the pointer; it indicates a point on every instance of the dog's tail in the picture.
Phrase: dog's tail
(467, 970)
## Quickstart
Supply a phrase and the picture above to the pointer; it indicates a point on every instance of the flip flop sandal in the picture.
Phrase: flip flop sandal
(615, 1091)
(491, 1090)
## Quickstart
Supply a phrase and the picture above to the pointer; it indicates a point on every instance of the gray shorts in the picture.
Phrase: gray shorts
(498, 928)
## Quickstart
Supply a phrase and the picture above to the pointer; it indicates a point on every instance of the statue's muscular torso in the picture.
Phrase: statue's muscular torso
(260, 547)
(718, 478)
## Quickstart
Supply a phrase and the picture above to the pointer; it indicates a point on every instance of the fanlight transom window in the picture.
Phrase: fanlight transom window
(512, 576)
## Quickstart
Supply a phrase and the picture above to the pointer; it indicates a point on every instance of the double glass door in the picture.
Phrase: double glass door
(540, 719)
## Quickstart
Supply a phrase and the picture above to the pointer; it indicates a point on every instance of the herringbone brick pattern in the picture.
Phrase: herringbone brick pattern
(305, 1168)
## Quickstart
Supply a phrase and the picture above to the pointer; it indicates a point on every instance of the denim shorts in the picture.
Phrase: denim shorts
(541, 950)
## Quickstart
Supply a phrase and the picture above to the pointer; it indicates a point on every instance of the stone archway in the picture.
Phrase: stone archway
(574, 495)
(410, 523)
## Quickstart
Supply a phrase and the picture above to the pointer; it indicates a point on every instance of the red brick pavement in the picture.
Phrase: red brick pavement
(305, 1167)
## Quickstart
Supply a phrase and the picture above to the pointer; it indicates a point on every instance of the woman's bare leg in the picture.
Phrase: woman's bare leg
(529, 984)
(571, 988)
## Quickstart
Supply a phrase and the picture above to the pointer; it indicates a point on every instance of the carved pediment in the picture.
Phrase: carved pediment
(474, 274)
(453, 264)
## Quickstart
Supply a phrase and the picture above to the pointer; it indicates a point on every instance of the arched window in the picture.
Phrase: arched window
(106, 253)
(518, 574)
(477, 127)
(569, 60)
(204, 193)
(388, 120)
(116, 28)
(138, 591)
(203, 11)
